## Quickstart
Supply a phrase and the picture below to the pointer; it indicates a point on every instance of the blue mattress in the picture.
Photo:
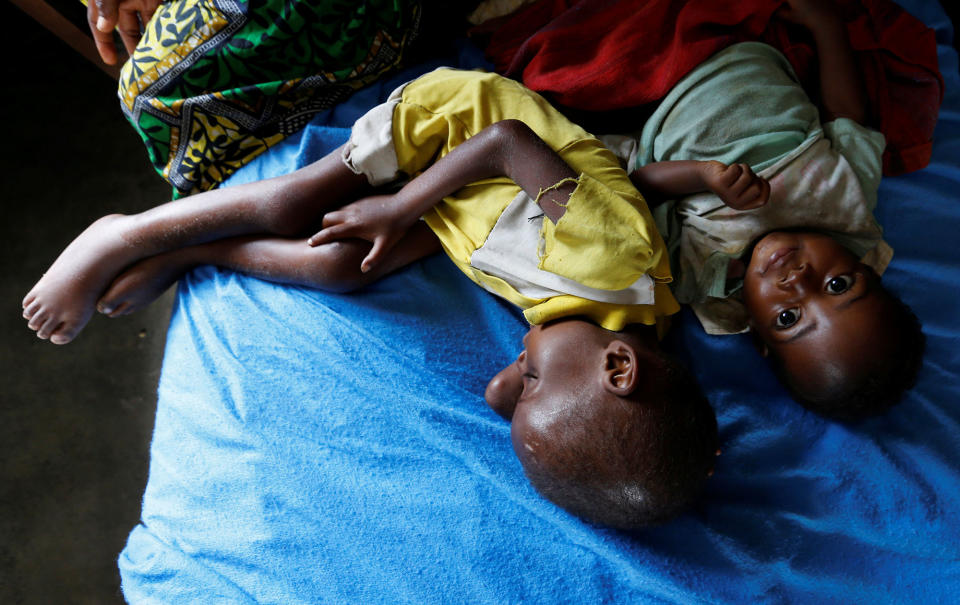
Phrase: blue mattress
(321, 448)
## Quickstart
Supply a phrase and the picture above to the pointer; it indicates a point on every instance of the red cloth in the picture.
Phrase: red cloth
(602, 55)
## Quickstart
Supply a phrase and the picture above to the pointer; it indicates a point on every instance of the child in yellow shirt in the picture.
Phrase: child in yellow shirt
(529, 206)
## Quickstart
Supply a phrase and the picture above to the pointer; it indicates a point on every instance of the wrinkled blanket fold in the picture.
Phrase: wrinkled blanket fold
(600, 55)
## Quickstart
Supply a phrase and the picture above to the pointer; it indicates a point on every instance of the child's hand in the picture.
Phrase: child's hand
(809, 13)
(736, 184)
(378, 219)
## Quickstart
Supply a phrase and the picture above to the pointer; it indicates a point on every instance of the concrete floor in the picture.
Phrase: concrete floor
(75, 421)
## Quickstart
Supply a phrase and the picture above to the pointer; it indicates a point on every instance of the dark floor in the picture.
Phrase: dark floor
(75, 421)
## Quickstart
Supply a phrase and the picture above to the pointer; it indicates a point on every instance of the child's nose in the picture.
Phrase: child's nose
(795, 278)
(503, 391)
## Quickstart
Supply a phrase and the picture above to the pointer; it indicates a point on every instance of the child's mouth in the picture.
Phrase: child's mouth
(777, 259)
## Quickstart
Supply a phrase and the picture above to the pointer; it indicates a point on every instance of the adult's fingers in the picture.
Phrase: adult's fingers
(102, 39)
(107, 11)
(128, 25)
(146, 13)
(127, 17)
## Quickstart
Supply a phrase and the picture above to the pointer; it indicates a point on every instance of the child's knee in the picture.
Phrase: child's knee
(335, 267)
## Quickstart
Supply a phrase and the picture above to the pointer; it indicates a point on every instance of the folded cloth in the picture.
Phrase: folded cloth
(604, 55)
(214, 84)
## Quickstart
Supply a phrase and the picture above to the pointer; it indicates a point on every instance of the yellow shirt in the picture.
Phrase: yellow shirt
(606, 239)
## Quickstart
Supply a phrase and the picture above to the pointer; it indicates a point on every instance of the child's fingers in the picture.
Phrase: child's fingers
(744, 180)
(759, 191)
(731, 174)
(764, 190)
(329, 234)
(332, 218)
(373, 257)
(756, 195)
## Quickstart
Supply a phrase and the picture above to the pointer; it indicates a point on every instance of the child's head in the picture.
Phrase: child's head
(842, 344)
(606, 425)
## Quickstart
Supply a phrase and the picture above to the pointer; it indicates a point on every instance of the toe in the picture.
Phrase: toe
(121, 309)
(47, 328)
(62, 335)
(31, 309)
(105, 307)
(39, 318)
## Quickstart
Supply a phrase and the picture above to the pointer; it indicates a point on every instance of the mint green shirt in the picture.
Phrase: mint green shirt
(745, 104)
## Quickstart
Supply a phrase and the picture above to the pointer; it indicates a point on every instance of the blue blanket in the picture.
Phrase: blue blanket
(321, 448)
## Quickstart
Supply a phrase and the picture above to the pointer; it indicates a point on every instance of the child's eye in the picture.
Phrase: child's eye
(840, 284)
(787, 317)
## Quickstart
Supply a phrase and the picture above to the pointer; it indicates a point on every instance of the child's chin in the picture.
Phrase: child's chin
(747, 255)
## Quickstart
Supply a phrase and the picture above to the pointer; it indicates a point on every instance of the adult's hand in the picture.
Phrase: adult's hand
(126, 16)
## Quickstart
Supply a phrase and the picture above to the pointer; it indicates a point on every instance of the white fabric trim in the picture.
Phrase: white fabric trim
(511, 253)
(370, 150)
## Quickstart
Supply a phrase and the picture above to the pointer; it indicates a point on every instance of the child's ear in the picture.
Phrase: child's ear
(621, 371)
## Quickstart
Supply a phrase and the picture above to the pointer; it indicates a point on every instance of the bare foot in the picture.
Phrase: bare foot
(61, 303)
(143, 283)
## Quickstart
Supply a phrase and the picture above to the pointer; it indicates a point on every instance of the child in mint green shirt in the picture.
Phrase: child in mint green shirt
(770, 222)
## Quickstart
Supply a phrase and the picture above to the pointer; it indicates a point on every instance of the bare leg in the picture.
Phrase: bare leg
(61, 303)
(333, 267)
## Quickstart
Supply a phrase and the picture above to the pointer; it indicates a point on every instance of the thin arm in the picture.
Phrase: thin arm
(842, 92)
(508, 148)
(735, 184)
(667, 180)
(841, 86)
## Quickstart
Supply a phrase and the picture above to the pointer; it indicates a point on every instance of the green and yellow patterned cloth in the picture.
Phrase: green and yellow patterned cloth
(213, 83)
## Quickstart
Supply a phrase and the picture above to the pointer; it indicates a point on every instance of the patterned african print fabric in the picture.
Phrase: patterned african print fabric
(214, 83)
